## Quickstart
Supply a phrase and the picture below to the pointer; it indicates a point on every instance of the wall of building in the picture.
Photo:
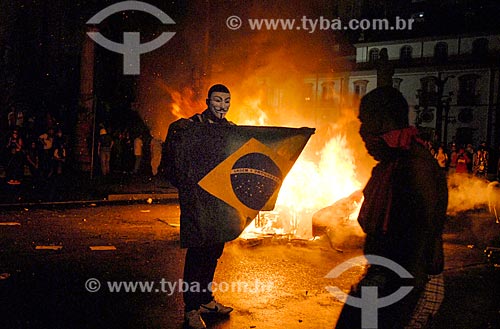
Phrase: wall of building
(425, 48)
(478, 118)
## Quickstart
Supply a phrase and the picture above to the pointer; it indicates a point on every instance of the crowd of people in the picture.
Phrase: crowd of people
(121, 154)
(465, 159)
(39, 156)
(39, 149)
(402, 215)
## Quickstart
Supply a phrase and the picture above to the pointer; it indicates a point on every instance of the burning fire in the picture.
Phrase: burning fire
(318, 179)
(268, 85)
(182, 102)
(321, 176)
(314, 186)
(309, 187)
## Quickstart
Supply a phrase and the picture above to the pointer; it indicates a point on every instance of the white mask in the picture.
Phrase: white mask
(219, 103)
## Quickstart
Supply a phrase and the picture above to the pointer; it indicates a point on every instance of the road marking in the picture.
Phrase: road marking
(102, 248)
(48, 247)
(10, 224)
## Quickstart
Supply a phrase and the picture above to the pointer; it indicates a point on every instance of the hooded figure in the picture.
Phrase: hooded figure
(402, 215)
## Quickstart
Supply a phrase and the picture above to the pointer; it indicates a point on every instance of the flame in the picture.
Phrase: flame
(175, 104)
(258, 116)
(311, 186)
(183, 103)
(317, 180)
(324, 173)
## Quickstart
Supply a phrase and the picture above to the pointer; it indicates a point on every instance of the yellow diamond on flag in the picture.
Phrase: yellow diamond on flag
(254, 174)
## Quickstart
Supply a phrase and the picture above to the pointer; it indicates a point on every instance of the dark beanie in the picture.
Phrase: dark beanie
(386, 107)
(218, 88)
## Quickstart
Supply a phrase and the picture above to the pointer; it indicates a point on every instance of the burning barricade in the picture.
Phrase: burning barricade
(339, 224)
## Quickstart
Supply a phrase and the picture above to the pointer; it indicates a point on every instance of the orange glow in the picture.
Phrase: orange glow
(311, 186)
(182, 104)
(325, 172)
(333, 165)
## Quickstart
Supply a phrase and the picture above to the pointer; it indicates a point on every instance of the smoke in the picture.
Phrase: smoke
(265, 65)
(339, 222)
(266, 72)
(466, 193)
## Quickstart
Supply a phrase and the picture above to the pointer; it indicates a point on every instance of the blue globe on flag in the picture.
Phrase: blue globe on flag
(254, 179)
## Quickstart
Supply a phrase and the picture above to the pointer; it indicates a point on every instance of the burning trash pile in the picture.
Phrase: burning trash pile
(339, 222)
(317, 199)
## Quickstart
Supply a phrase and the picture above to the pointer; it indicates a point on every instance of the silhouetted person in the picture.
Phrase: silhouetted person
(14, 170)
(138, 153)
(155, 146)
(402, 215)
(104, 146)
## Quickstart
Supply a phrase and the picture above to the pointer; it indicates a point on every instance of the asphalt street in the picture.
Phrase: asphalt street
(58, 267)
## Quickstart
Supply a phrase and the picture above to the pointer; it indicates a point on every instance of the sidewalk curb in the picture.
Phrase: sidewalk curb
(112, 199)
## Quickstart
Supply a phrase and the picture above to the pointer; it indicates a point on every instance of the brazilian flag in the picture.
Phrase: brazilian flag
(226, 174)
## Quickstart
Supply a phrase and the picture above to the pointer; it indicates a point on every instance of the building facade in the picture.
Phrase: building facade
(451, 83)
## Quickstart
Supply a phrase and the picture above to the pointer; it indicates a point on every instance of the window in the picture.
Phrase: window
(428, 93)
(272, 97)
(373, 55)
(405, 54)
(441, 52)
(383, 55)
(429, 85)
(468, 93)
(328, 91)
(427, 116)
(360, 87)
(480, 47)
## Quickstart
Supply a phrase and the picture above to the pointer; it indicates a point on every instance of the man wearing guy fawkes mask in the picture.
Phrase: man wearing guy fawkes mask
(218, 103)
(201, 256)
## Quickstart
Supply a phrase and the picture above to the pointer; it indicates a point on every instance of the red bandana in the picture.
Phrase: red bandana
(374, 215)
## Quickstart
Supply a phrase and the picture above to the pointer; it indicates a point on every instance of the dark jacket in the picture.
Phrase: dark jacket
(195, 232)
(413, 238)
(166, 168)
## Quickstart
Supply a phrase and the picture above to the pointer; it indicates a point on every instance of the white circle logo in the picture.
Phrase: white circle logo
(234, 22)
(369, 303)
